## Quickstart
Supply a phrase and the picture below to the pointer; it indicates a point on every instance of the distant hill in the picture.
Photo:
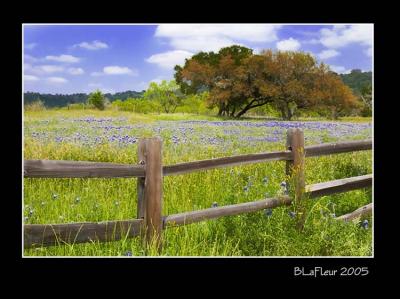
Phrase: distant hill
(357, 79)
(60, 100)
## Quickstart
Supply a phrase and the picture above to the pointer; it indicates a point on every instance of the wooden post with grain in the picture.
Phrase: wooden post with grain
(295, 169)
(150, 191)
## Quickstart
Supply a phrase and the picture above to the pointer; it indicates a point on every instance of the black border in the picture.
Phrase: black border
(245, 269)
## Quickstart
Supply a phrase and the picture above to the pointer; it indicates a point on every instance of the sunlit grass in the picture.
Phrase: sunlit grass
(256, 234)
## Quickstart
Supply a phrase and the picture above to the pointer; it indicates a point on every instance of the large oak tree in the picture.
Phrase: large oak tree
(238, 80)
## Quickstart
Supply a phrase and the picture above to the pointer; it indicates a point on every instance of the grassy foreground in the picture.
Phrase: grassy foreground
(112, 136)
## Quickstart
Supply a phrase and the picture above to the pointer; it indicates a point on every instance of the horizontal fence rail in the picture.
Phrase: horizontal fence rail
(337, 148)
(225, 162)
(53, 234)
(337, 186)
(73, 169)
(363, 211)
(78, 169)
(150, 171)
(247, 207)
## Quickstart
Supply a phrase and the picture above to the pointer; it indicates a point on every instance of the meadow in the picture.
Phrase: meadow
(112, 136)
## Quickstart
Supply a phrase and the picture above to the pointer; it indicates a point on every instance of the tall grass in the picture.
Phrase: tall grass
(255, 234)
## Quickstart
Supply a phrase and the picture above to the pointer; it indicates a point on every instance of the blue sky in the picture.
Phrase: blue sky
(81, 58)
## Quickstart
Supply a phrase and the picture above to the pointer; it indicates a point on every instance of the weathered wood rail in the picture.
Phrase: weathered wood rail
(150, 172)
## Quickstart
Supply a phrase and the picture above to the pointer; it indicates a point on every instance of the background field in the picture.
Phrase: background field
(112, 136)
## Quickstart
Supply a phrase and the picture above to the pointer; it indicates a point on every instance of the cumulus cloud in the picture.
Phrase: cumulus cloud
(30, 78)
(75, 71)
(194, 37)
(30, 58)
(30, 46)
(290, 44)
(63, 58)
(57, 80)
(94, 45)
(44, 69)
(342, 35)
(116, 70)
(169, 59)
(368, 52)
(326, 54)
(339, 69)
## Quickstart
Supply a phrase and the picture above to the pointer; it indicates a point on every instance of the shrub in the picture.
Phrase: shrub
(36, 105)
(97, 100)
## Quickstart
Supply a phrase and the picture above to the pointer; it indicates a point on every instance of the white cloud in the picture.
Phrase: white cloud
(368, 52)
(43, 69)
(30, 78)
(115, 70)
(30, 58)
(342, 35)
(30, 46)
(57, 80)
(94, 45)
(194, 37)
(107, 90)
(75, 71)
(169, 59)
(326, 54)
(63, 58)
(290, 44)
(339, 69)
(96, 74)
(157, 80)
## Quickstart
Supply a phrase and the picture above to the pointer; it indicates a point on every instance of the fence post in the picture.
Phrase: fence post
(150, 190)
(141, 180)
(295, 169)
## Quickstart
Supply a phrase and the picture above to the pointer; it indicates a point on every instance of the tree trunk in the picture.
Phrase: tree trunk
(334, 113)
(232, 114)
(289, 114)
(286, 112)
(247, 108)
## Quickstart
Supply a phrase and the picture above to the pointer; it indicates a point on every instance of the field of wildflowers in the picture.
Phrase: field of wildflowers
(111, 136)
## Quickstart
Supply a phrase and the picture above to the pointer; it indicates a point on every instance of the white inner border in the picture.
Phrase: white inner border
(183, 24)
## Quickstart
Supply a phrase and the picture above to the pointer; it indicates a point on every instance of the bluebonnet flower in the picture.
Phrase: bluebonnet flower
(364, 224)
(292, 214)
(214, 204)
(268, 212)
(128, 253)
(284, 188)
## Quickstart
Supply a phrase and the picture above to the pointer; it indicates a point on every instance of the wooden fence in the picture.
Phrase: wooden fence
(150, 172)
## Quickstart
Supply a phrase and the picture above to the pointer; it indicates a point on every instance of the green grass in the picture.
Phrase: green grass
(244, 235)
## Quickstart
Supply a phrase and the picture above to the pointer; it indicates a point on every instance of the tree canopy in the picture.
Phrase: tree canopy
(167, 93)
(97, 99)
(238, 80)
